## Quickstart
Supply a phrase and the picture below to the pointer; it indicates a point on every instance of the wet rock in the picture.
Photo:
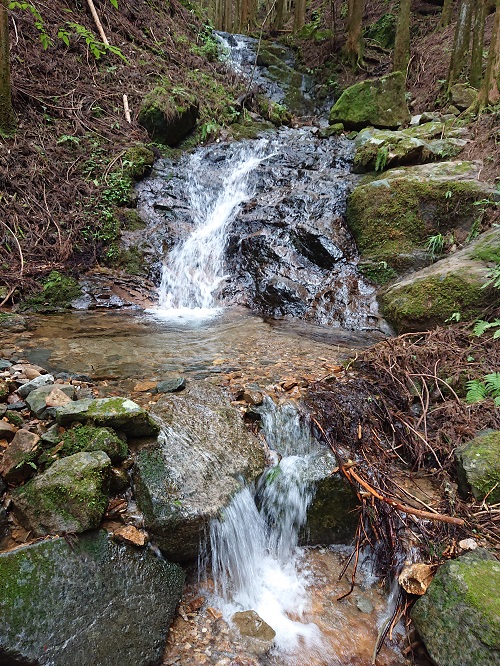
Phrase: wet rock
(364, 604)
(52, 436)
(252, 396)
(171, 385)
(18, 459)
(17, 405)
(168, 116)
(193, 471)
(90, 438)
(13, 323)
(118, 413)
(4, 364)
(71, 496)
(130, 534)
(37, 382)
(37, 399)
(251, 624)
(109, 603)
(118, 480)
(478, 466)
(393, 215)
(430, 296)
(7, 430)
(14, 418)
(378, 102)
(459, 616)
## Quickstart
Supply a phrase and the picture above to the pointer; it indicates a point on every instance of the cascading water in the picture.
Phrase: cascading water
(194, 269)
(255, 560)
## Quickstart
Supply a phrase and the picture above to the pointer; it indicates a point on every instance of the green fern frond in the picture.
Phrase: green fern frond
(481, 326)
(476, 391)
(497, 401)
(492, 383)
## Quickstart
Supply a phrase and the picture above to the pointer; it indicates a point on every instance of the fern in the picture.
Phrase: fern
(494, 275)
(476, 391)
(492, 382)
(381, 159)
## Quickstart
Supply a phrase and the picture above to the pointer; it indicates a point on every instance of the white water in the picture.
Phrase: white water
(256, 564)
(194, 269)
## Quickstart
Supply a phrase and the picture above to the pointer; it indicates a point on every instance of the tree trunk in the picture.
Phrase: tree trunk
(490, 90)
(446, 14)
(402, 43)
(300, 14)
(476, 65)
(7, 118)
(278, 17)
(354, 45)
(461, 41)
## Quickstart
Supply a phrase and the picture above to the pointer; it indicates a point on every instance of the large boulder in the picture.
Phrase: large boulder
(167, 115)
(378, 102)
(378, 150)
(71, 496)
(118, 413)
(393, 215)
(90, 438)
(432, 295)
(459, 616)
(203, 456)
(88, 602)
(478, 464)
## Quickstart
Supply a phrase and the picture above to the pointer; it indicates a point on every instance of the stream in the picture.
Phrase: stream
(257, 282)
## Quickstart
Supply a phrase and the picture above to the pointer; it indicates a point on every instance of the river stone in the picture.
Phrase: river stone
(109, 603)
(90, 438)
(37, 398)
(117, 413)
(37, 382)
(251, 624)
(71, 496)
(430, 296)
(478, 466)
(203, 456)
(378, 102)
(7, 430)
(19, 454)
(4, 364)
(171, 385)
(458, 617)
(392, 215)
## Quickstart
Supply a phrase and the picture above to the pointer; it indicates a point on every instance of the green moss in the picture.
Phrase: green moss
(479, 467)
(131, 261)
(487, 248)
(432, 300)
(382, 31)
(13, 417)
(90, 438)
(137, 161)
(378, 272)
(130, 220)
(57, 293)
(168, 112)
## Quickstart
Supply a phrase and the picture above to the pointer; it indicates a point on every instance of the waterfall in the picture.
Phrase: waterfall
(256, 564)
(194, 269)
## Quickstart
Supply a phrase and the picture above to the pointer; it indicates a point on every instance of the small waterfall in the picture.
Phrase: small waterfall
(256, 564)
(194, 269)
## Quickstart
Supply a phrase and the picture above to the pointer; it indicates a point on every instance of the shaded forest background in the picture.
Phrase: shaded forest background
(66, 173)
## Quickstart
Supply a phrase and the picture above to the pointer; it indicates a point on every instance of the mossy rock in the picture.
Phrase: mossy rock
(138, 161)
(85, 601)
(478, 466)
(392, 215)
(89, 438)
(377, 102)
(130, 220)
(459, 616)
(168, 114)
(58, 291)
(71, 496)
(118, 413)
(383, 31)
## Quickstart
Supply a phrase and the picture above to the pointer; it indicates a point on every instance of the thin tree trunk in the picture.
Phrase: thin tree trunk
(490, 90)
(300, 14)
(354, 45)
(7, 117)
(402, 43)
(476, 65)
(461, 41)
(278, 17)
(446, 14)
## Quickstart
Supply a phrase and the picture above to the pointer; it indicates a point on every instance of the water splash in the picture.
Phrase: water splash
(194, 269)
(255, 560)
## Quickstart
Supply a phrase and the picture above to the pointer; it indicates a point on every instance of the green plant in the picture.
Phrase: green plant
(435, 245)
(455, 316)
(39, 24)
(489, 387)
(381, 159)
(68, 138)
(494, 278)
(96, 47)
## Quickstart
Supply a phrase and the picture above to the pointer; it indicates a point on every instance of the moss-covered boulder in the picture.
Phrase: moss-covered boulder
(377, 102)
(392, 215)
(138, 161)
(203, 456)
(432, 295)
(90, 438)
(459, 616)
(71, 496)
(57, 293)
(168, 114)
(120, 414)
(91, 602)
(378, 150)
(478, 466)
(462, 96)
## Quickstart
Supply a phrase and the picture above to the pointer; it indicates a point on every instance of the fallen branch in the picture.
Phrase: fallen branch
(97, 22)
